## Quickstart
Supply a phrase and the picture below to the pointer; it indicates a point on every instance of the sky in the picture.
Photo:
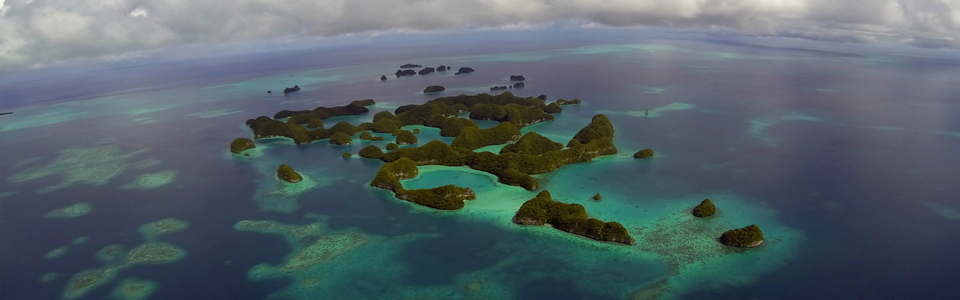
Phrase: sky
(43, 32)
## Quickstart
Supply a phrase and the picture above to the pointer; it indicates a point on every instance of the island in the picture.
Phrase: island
(645, 153)
(464, 70)
(405, 137)
(571, 218)
(426, 71)
(416, 131)
(5, 113)
(448, 197)
(392, 146)
(566, 102)
(347, 155)
(287, 173)
(597, 197)
(747, 237)
(409, 66)
(291, 90)
(383, 77)
(433, 89)
(405, 73)
(241, 144)
(517, 78)
(371, 151)
(532, 143)
(442, 68)
(315, 123)
(341, 138)
(474, 138)
(266, 127)
(553, 108)
(518, 85)
(705, 209)
(497, 88)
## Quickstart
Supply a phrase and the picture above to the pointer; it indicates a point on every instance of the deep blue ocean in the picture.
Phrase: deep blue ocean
(844, 155)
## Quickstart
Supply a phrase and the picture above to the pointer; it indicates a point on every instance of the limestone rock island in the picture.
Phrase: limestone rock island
(517, 78)
(571, 218)
(434, 89)
(645, 153)
(705, 209)
(287, 173)
(291, 90)
(747, 237)
(240, 144)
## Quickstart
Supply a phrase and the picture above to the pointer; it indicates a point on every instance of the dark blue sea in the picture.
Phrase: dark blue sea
(844, 155)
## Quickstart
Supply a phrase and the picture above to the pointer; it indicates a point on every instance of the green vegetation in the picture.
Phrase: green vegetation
(323, 113)
(315, 123)
(532, 143)
(371, 152)
(473, 138)
(746, 237)
(383, 122)
(406, 137)
(597, 137)
(347, 155)
(514, 168)
(341, 138)
(449, 126)
(287, 173)
(553, 108)
(597, 197)
(366, 135)
(448, 197)
(392, 146)
(705, 209)
(645, 153)
(571, 218)
(416, 131)
(567, 102)
(240, 144)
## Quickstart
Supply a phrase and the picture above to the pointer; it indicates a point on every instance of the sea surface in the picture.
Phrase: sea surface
(844, 155)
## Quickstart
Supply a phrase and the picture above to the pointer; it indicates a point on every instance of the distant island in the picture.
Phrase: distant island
(441, 68)
(426, 71)
(5, 113)
(434, 89)
(241, 144)
(705, 209)
(645, 153)
(409, 66)
(400, 73)
(291, 90)
(517, 78)
(464, 70)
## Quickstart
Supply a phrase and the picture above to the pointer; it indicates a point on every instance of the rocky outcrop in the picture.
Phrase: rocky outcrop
(405, 73)
(383, 77)
(287, 173)
(497, 88)
(426, 71)
(517, 78)
(409, 66)
(464, 70)
(240, 144)
(442, 68)
(518, 85)
(291, 90)
(747, 237)
(705, 209)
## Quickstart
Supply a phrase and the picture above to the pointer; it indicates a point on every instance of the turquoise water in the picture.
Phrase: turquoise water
(844, 160)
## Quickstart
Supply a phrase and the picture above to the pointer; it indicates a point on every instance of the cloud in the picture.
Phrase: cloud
(44, 31)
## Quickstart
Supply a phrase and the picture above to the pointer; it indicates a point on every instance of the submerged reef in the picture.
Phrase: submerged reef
(154, 230)
(704, 209)
(434, 89)
(134, 289)
(747, 237)
(154, 253)
(287, 173)
(71, 211)
(87, 280)
(312, 245)
(240, 144)
(448, 197)
(645, 153)
(571, 218)
(110, 252)
(152, 180)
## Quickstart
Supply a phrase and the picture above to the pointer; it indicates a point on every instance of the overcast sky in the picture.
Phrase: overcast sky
(45, 31)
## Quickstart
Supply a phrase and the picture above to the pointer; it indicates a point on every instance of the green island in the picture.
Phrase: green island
(594, 140)
(704, 209)
(571, 218)
(645, 153)
(747, 237)
(434, 89)
(566, 102)
(597, 197)
(341, 138)
(287, 173)
(240, 144)
(371, 151)
(347, 155)
(266, 127)
(405, 137)
(448, 197)
(392, 146)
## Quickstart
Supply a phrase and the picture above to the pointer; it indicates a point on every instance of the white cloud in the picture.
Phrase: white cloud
(43, 31)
